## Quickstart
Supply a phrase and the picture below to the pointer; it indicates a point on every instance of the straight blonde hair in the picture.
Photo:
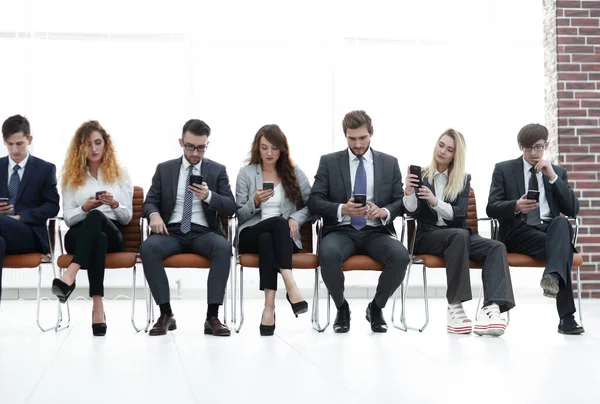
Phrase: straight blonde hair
(456, 170)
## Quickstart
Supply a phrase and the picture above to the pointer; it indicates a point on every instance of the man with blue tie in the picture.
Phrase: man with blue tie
(28, 194)
(358, 192)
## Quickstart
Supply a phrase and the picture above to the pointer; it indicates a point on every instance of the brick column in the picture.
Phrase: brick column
(572, 63)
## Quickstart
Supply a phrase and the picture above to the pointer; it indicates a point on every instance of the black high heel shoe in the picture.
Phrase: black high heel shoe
(99, 330)
(298, 308)
(267, 330)
(62, 290)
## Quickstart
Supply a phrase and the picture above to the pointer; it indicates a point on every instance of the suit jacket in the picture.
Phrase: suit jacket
(332, 187)
(162, 195)
(428, 217)
(508, 185)
(249, 180)
(37, 199)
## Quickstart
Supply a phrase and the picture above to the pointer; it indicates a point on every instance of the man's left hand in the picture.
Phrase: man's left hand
(375, 212)
(546, 168)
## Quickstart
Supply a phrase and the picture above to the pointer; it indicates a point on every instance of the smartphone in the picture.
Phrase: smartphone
(268, 185)
(196, 179)
(360, 198)
(99, 193)
(416, 170)
(534, 195)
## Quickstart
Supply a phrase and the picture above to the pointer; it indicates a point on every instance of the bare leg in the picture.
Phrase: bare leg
(97, 310)
(268, 317)
(290, 285)
(70, 273)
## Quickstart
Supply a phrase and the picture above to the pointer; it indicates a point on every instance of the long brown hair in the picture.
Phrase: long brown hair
(74, 169)
(285, 165)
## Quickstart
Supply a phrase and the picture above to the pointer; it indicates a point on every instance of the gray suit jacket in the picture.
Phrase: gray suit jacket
(249, 179)
(162, 195)
(332, 187)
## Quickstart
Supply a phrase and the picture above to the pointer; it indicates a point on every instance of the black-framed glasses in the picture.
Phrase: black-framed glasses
(191, 147)
(537, 148)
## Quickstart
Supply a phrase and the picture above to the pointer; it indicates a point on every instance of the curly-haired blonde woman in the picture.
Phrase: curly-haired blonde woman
(97, 203)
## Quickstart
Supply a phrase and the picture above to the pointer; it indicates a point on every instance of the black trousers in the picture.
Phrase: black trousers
(15, 238)
(89, 241)
(457, 246)
(271, 240)
(551, 242)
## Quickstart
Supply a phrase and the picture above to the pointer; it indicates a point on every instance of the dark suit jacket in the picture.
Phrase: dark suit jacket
(508, 185)
(332, 187)
(38, 199)
(162, 195)
(428, 217)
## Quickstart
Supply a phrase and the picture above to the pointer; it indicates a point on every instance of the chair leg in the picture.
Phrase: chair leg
(478, 303)
(149, 310)
(579, 297)
(425, 299)
(60, 316)
(39, 302)
(315, 318)
(239, 327)
(402, 325)
(133, 296)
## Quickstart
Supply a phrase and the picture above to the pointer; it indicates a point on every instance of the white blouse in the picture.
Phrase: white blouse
(122, 191)
(272, 207)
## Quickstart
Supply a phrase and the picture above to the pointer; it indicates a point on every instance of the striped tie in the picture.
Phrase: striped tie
(13, 186)
(186, 218)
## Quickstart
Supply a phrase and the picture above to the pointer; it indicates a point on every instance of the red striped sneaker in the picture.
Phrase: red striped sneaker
(458, 322)
(489, 321)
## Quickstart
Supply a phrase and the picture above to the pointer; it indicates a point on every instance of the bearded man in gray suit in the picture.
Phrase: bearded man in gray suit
(351, 227)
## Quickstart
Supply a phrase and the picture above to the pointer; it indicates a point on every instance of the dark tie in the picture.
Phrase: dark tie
(533, 217)
(360, 187)
(186, 218)
(13, 186)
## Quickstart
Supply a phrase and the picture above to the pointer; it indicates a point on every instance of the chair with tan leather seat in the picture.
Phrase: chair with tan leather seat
(190, 260)
(353, 263)
(304, 259)
(433, 261)
(128, 258)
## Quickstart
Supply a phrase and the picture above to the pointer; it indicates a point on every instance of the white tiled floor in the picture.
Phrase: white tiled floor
(531, 363)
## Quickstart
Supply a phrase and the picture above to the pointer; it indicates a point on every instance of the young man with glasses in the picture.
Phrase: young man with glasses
(184, 218)
(529, 197)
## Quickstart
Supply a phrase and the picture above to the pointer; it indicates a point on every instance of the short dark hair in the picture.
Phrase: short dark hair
(529, 134)
(197, 127)
(356, 119)
(15, 124)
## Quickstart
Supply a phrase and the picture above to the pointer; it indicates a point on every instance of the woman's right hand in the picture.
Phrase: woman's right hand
(262, 195)
(91, 203)
(412, 183)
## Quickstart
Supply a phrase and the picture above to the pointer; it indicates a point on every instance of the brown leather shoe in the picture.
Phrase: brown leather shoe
(214, 327)
(164, 324)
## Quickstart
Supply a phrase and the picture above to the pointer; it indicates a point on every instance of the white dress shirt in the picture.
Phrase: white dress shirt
(545, 213)
(122, 190)
(12, 164)
(443, 209)
(368, 164)
(182, 184)
(272, 207)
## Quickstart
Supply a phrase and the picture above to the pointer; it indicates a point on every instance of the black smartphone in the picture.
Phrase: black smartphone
(360, 198)
(99, 194)
(196, 179)
(416, 170)
(268, 185)
(533, 195)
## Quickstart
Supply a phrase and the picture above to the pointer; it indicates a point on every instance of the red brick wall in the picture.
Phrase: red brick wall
(572, 62)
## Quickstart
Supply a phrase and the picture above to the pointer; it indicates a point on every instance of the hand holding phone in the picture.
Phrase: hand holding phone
(416, 170)
(99, 194)
(268, 185)
(360, 198)
(533, 195)
(196, 179)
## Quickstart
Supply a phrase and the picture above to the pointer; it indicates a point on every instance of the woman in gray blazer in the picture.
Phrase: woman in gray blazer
(271, 193)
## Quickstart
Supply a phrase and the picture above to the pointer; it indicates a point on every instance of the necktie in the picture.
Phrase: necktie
(186, 218)
(13, 186)
(360, 187)
(533, 217)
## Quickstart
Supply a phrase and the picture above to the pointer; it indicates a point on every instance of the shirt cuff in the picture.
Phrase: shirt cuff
(339, 213)
(387, 219)
(208, 198)
(554, 180)
(153, 213)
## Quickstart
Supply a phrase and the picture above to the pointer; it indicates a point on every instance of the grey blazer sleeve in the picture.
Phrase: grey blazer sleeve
(303, 215)
(244, 199)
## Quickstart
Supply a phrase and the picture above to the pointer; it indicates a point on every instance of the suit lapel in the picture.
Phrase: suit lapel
(345, 167)
(4, 177)
(258, 179)
(29, 168)
(519, 176)
(205, 169)
(377, 173)
(175, 169)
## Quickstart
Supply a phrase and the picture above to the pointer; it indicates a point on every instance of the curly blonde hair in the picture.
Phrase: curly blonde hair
(74, 169)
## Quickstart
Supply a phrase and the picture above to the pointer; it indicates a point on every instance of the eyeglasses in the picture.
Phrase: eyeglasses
(537, 148)
(191, 147)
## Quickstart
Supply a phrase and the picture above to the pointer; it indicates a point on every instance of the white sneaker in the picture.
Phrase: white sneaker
(458, 322)
(489, 321)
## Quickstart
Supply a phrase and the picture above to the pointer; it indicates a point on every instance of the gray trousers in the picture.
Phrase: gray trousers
(344, 241)
(199, 240)
(457, 246)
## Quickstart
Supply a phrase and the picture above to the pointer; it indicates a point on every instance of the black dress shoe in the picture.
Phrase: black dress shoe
(99, 329)
(298, 308)
(62, 290)
(213, 326)
(375, 317)
(550, 285)
(342, 319)
(163, 324)
(569, 326)
(267, 330)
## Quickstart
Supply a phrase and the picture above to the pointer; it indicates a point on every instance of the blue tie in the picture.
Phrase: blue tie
(360, 187)
(13, 186)
(186, 218)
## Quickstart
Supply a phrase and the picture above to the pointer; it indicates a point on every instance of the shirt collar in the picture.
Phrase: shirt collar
(12, 164)
(368, 156)
(444, 173)
(186, 164)
(526, 165)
